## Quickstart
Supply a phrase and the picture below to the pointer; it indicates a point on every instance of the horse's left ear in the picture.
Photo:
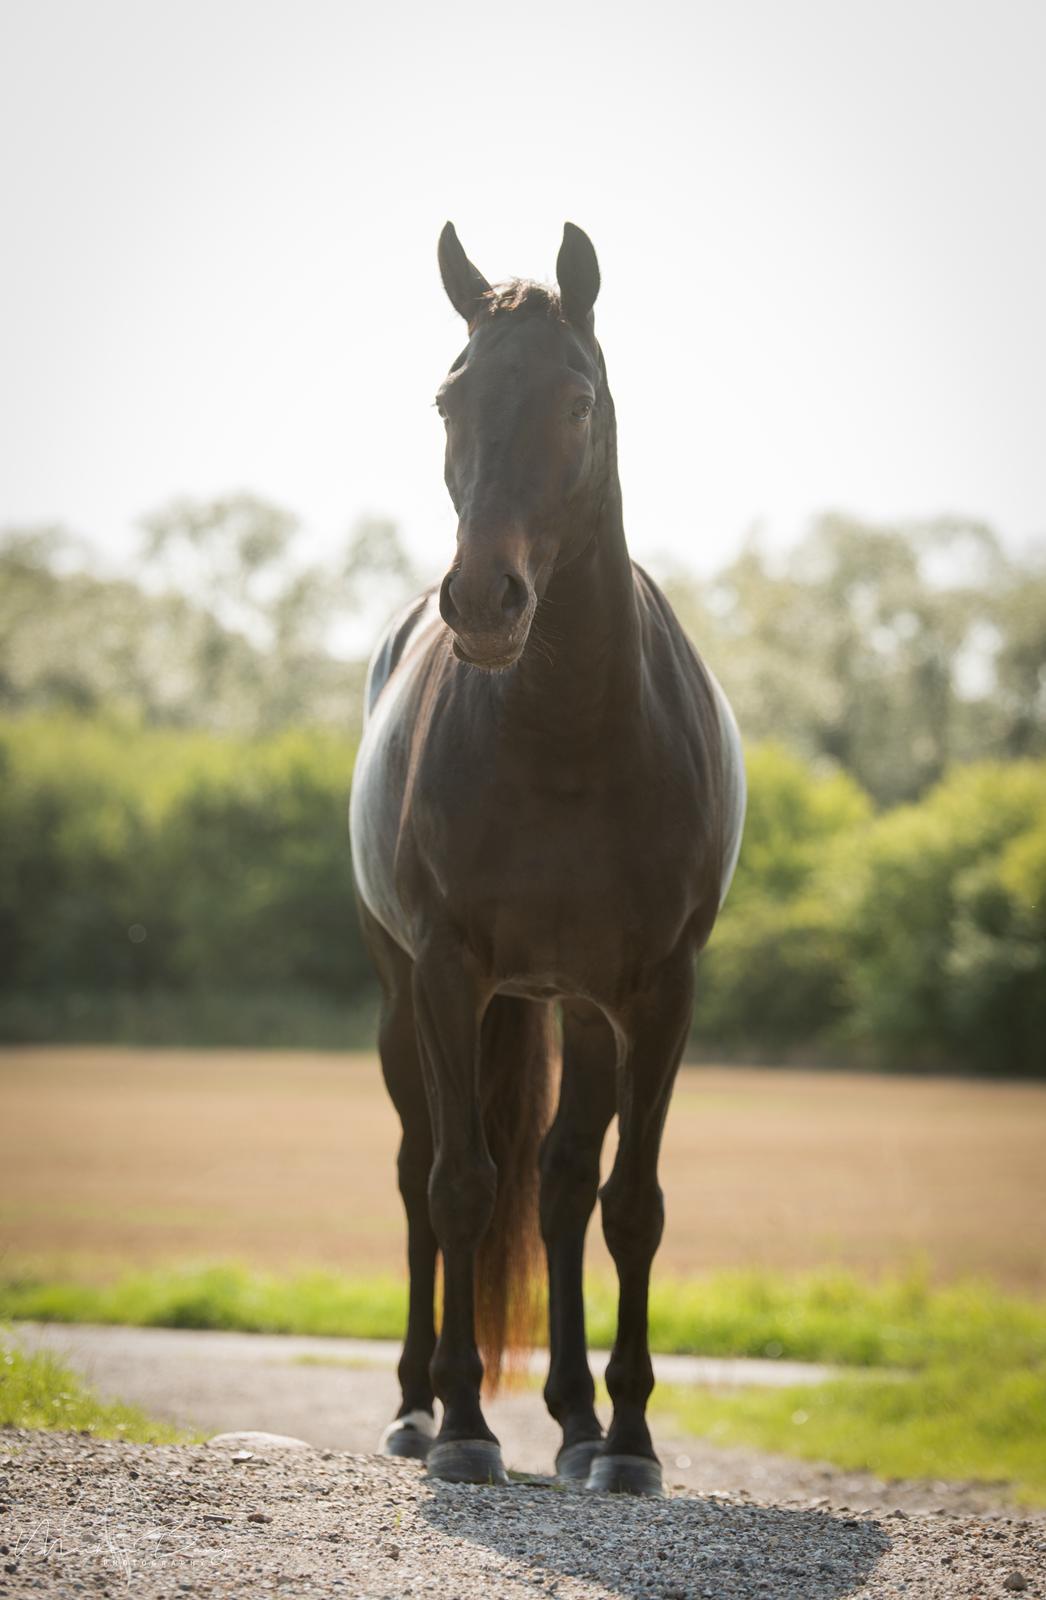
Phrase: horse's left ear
(577, 273)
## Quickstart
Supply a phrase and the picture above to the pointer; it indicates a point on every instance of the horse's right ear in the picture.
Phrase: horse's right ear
(464, 283)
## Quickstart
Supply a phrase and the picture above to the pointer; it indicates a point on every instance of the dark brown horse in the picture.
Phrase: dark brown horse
(547, 810)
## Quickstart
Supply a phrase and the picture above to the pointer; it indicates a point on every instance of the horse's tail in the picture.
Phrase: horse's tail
(518, 1054)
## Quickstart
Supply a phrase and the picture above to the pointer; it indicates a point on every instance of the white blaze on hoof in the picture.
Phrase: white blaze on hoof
(410, 1435)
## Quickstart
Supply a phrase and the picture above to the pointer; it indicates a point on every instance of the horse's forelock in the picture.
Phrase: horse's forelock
(521, 294)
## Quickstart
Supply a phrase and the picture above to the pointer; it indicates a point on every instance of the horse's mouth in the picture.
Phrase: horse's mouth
(488, 663)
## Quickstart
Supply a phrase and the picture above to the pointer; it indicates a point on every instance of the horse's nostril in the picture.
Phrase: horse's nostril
(513, 597)
(447, 609)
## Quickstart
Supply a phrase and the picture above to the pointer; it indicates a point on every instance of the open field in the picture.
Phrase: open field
(113, 1158)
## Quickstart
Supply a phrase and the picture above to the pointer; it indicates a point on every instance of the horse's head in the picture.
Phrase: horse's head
(529, 429)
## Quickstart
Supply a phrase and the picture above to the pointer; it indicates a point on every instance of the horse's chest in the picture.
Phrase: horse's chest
(564, 886)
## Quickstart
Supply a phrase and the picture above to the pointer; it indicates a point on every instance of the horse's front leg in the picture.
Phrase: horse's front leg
(569, 1184)
(654, 1028)
(412, 1430)
(448, 1006)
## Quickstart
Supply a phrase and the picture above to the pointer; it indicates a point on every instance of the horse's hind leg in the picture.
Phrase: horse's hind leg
(569, 1184)
(413, 1429)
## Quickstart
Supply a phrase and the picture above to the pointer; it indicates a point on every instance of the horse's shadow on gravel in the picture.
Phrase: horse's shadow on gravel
(678, 1548)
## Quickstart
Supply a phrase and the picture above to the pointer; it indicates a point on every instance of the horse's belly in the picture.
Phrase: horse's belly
(379, 777)
(373, 829)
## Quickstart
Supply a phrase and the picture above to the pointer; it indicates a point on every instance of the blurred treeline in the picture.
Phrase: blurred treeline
(176, 755)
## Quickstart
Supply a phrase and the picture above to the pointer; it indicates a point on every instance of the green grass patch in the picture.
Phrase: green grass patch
(36, 1391)
(970, 1420)
(832, 1317)
(941, 1381)
(222, 1297)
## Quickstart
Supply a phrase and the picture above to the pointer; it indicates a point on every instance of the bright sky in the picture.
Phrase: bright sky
(821, 227)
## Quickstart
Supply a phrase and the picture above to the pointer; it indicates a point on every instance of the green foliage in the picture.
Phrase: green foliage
(914, 938)
(138, 859)
(287, 1017)
(775, 973)
(144, 862)
(36, 1391)
(144, 865)
(949, 924)
(893, 651)
(795, 813)
(230, 631)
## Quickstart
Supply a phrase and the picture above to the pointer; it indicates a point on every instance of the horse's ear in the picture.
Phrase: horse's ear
(577, 273)
(464, 283)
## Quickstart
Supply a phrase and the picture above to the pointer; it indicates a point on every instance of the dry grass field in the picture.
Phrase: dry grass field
(111, 1158)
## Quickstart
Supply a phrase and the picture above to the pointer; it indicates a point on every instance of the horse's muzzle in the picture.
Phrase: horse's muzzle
(490, 620)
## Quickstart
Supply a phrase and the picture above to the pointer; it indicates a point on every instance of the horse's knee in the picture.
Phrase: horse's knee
(461, 1199)
(413, 1166)
(569, 1185)
(633, 1219)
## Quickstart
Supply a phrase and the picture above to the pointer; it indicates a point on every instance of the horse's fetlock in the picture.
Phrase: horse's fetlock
(630, 1382)
(456, 1373)
(565, 1398)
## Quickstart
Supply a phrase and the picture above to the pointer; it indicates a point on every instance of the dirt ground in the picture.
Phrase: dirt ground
(113, 1157)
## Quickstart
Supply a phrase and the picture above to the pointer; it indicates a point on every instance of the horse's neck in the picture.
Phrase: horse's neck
(579, 675)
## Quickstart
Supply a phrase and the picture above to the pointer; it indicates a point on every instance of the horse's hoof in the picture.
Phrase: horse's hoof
(409, 1436)
(624, 1475)
(467, 1461)
(575, 1460)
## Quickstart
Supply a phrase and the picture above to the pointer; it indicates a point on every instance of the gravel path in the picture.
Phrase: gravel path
(81, 1516)
(247, 1516)
(339, 1394)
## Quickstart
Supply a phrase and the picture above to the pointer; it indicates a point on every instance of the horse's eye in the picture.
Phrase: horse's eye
(438, 403)
(581, 409)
